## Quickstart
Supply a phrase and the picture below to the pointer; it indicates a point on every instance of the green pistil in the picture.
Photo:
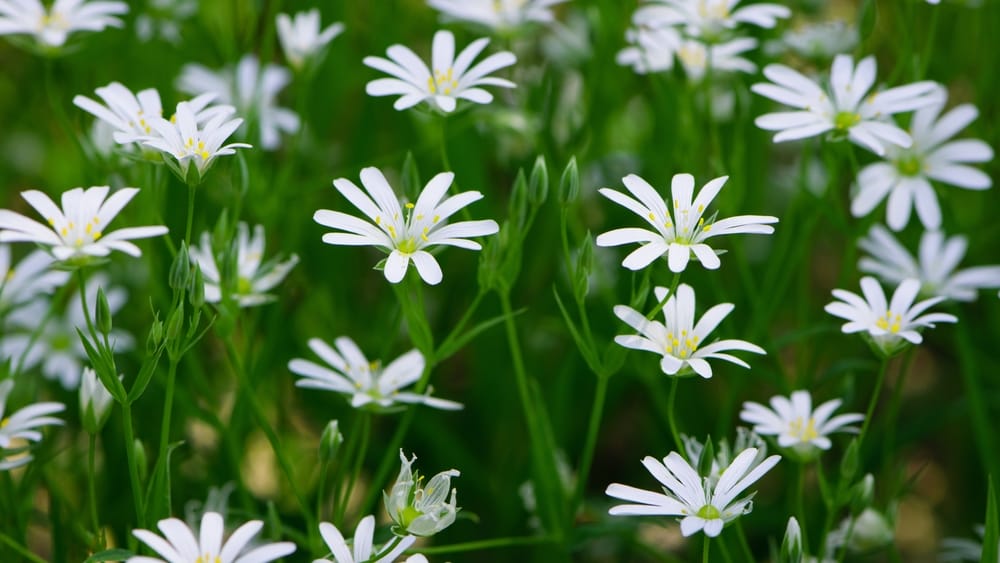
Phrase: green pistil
(408, 515)
(909, 165)
(244, 286)
(845, 120)
(408, 246)
(709, 512)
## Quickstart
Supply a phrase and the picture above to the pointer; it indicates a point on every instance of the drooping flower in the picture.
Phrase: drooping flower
(404, 235)
(796, 424)
(888, 327)
(846, 108)
(704, 505)
(32, 277)
(76, 233)
(681, 341)
(421, 511)
(366, 383)
(22, 426)
(51, 27)
(301, 38)
(449, 79)
(179, 543)
(183, 141)
(935, 264)
(364, 551)
(904, 178)
(95, 402)
(498, 15)
(253, 279)
(680, 233)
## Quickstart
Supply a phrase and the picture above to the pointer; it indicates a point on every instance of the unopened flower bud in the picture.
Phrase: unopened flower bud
(538, 184)
(569, 183)
(180, 270)
(197, 293)
(330, 442)
(791, 545)
(862, 494)
(95, 402)
(103, 315)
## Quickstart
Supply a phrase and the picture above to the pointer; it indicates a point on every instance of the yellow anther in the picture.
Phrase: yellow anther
(409, 205)
(4, 422)
(97, 235)
(64, 231)
(378, 219)
(420, 217)
(651, 216)
(204, 155)
(52, 221)
(437, 218)
(189, 143)
(701, 208)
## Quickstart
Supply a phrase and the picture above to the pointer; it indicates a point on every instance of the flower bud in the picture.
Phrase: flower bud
(791, 545)
(180, 270)
(569, 183)
(518, 205)
(421, 511)
(862, 494)
(849, 464)
(139, 451)
(871, 531)
(155, 337)
(584, 265)
(103, 314)
(538, 184)
(95, 402)
(175, 322)
(197, 293)
(330, 442)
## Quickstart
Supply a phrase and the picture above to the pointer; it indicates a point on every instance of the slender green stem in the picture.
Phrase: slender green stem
(671, 418)
(359, 458)
(82, 279)
(744, 544)
(445, 162)
(324, 469)
(888, 444)
(168, 404)
(92, 492)
(704, 548)
(661, 304)
(982, 427)
(880, 379)
(133, 466)
(190, 215)
(596, 413)
(20, 549)
(514, 541)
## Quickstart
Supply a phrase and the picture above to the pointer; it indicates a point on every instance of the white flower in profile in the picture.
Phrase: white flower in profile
(680, 340)
(500, 15)
(180, 543)
(405, 235)
(889, 327)
(906, 174)
(704, 505)
(681, 233)
(52, 27)
(935, 264)
(449, 79)
(253, 278)
(697, 57)
(364, 551)
(184, 141)
(301, 38)
(95, 402)
(710, 19)
(846, 109)
(421, 511)
(650, 50)
(252, 90)
(22, 426)
(33, 276)
(366, 383)
(797, 426)
(76, 232)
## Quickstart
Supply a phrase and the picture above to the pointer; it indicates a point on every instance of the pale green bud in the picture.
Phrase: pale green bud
(330, 442)
(95, 402)
(103, 314)
(791, 545)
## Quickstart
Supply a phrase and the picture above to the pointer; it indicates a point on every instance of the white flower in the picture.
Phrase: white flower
(253, 280)
(364, 551)
(77, 231)
(709, 19)
(367, 383)
(421, 511)
(869, 531)
(449, 79)
(822, 40)
(301, 38)
(497, 14)
(164, 18)
(848, 109)
(680, 341)
(939, 257)
(963, 549)
(405, 235)
(889, 326)
(95, 402)
(704, 505)
(52, 27)
(32, 277)
(181, 546)
(650, 50)
(251, 90)
(724, 452)
(905, 175)
(21, 426)
(796, 424)
(681, 233)
(696, 57)
(184, 141)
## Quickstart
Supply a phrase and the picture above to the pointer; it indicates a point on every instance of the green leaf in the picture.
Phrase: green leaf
(450, 347)
(411, 178)
(991, 537)
(585, 348)
(158, 493)
(116, 554)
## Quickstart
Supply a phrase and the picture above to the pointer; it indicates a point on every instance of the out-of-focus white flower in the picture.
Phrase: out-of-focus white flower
(796, 424)
(708, 19)
(905, 175)
(364, 551)
(869, 531)
(21, 426)
(95, 402)
(301, 38)
(935, 265)
(846, 108)
(889, 327)
(650, 50)
(704, 505)
(449, 79)
(253, 279)
(76, 233)
(32, 277)
(955, 550)
(405, 235)
(698, 58)
(822, 40)
(252, 90)
(163, 18)
(184, 141)
(52, 27)
(367, 383)
(179, 543)
(497, 14)
(725, 452)
(421, 511)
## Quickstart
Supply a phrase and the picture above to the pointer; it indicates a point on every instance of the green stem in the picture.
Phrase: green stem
(168, 403)
(704, 548)
(661, 304)
(82, 279)
(20, 549)
(445, 162)
(366, 426)
(92, 491)
(596, 412)
(894, 406)
(133, 467)
(324, 468)
(672, 419)
(880, 379)
(982, 428)
(494, 543)
(190, 215)
(800, 511)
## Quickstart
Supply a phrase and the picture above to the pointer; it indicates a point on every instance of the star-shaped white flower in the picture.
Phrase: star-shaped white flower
(449, 79)
(796, 424)
(405, 235)
(697, 57)
(364, 551)
(76, 232)
(889, 326)
(650, 50)
(22, 426)
(906, 174)
(497, 14)
(301, 38)
(680, 233)
(847, 108)
(709, 19)
(52, 27)
(681, 341)
(32, 277)
(704, 504)
(935, 265)
(181, 545)
(417, 509)
(368, 384)
(183, 141)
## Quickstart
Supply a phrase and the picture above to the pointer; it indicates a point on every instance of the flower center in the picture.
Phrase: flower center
(709, 512)
(804, 432)
(193, 148)
(71, 232)
(408, 515)
(689, 225)
(208, 558)
(890, 322)
(710, 9)
(845, 120)
(244, 286)
(910, 165)
(442, 82)
(693, 55)
(407, 246)
(681, 346)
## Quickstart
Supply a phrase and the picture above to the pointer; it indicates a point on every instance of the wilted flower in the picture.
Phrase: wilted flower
(181, 545)
(51, 27)
(421, 511)
(364, 551)
(301, 38)
(22, 425)
(497, 14)
(796, 424)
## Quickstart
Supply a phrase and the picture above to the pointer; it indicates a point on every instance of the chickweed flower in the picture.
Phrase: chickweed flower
(301, 38)
(30, 278)
(367, 383)
(710, 19)
(51, 27)
(795, 423)
(704, 505)
(500, 15)
(725, 452)
(450, 78)
(697, 57)
(22, 426)
(180, 543)
(680, 233)
(679, 340)
(889, 328)
(935, 264)
(650, 50)
(904, 178)
(421, 511)
(405, 235)
(364, 551)
(75, 234)
(822, 40)
(845, 109)
(95, 402)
